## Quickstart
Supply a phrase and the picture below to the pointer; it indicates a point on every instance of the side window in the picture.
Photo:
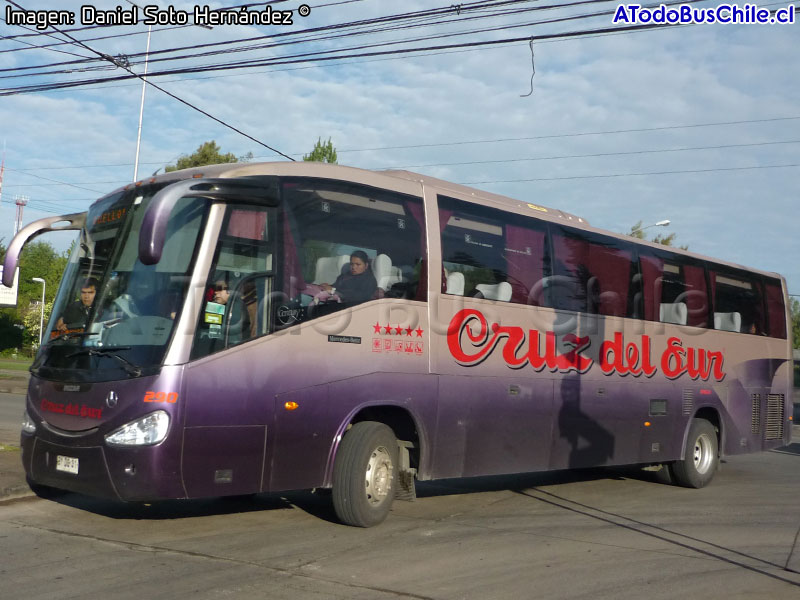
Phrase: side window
(592, 274)
(738, 302)
(492, 254)
(776, 309)
(674, 290)
(235, 304)
(345, 244)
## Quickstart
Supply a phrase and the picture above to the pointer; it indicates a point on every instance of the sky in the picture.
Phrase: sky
(698, 124)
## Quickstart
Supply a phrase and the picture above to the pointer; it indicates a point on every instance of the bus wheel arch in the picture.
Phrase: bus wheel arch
(406, 454)
(700, 452)
(399, 420)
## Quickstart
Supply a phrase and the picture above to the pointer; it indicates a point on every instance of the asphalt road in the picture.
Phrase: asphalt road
(11, 408)
(589, 534)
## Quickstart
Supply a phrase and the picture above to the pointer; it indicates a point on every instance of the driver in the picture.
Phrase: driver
(76, 315)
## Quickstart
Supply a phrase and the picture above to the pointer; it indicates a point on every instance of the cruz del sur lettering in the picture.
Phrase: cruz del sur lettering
(519, 349)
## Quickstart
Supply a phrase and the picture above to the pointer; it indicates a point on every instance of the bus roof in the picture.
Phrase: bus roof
(316, 169)
(413, 181)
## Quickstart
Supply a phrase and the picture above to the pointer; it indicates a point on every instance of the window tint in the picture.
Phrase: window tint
(674, 290)
(491, 254)
(776, 309)
(591, 274)
(503, 256)
(327, 222)
(738, 301)
(236, 305)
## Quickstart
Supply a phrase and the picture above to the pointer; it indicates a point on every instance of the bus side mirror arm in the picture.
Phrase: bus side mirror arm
(153, 232)
(74, 221)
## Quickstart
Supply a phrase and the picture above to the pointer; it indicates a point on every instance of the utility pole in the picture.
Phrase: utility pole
(141, 105)
(2, 170)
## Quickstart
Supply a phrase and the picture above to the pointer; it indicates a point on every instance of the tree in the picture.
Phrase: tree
(322, 152)
(795, 307)
(208, 153)
(32, 318)
(10, 330)
(666, 240)
(38, 259)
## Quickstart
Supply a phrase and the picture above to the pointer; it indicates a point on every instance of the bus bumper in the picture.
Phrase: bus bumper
(135, 474)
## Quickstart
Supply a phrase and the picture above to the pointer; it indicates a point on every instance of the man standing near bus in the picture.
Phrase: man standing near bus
(76, 314)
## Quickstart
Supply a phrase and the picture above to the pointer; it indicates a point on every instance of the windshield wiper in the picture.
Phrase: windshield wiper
(130, 368)
(37, 363)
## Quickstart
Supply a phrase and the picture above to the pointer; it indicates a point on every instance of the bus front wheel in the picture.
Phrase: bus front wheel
(365, 474)
(700, 456)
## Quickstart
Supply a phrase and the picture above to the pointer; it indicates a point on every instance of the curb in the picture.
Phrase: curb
(12, 476)
(15, 492)
(14, 383)
(13, 390)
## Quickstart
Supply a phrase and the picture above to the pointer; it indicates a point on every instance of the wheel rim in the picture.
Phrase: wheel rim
(703, 453)
(378, 479)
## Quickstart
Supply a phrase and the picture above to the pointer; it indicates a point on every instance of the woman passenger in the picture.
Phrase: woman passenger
(357, 285)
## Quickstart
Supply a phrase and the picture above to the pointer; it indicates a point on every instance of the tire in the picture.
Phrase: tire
(365, 474)
(701, 456)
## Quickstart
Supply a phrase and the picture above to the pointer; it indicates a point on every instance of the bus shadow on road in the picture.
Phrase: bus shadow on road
(793, 448)
(496, 483)
(315, 504)
(318, 504)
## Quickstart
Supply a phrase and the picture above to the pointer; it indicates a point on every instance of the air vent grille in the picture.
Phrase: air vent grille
(688, 402)
(755, 423)
(775, 416)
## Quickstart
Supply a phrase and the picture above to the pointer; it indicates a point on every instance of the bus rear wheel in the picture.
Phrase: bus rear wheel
(365, 474)
(700, 456)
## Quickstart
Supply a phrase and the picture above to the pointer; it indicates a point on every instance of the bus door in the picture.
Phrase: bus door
(228, 388)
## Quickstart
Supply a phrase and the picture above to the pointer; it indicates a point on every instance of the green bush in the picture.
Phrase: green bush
(797, 374)
(10, 334)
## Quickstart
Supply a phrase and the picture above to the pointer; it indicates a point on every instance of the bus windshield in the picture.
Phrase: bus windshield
(113, 316)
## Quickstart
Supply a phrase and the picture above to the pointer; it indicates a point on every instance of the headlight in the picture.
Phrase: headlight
(146, 431)
(28, 426)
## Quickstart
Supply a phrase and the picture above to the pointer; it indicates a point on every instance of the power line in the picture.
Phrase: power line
(285, 59)
(128, 34)
(492, 141)
(102, 84)
(170, 94)
(596, 155)
(568, 135)
(423, 14)
(310, 58)
(613, 175)
(51, 49)
(75, 185)
(318, 56)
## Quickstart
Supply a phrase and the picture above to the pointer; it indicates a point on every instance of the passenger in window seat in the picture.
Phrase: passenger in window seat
(357, 286)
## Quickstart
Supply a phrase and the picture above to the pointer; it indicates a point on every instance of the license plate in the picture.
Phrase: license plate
(67, 464)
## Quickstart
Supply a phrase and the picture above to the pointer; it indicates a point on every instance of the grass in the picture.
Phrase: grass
(11, 364)
(7, 448)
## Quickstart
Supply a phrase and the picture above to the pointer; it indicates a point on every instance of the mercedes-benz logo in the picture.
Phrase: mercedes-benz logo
(112, 399)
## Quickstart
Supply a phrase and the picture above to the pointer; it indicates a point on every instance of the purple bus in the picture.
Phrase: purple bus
(248, 328)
